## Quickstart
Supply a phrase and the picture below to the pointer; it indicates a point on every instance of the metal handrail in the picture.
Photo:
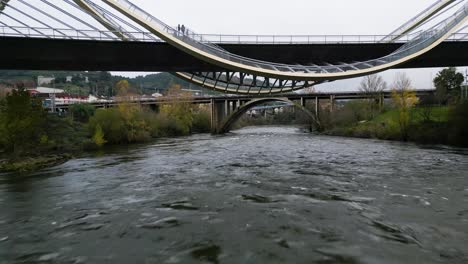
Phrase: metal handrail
(211, 38)
(400, 30)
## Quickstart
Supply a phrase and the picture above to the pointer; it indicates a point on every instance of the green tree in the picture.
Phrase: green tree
(78, 79)
(60, 80)
(82, 112)
(105, 76)
(448, 83)
(22, 120)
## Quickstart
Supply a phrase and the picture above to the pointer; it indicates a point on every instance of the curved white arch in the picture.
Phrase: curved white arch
(426, 41)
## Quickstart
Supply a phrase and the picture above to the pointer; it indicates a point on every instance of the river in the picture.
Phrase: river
(257, 195)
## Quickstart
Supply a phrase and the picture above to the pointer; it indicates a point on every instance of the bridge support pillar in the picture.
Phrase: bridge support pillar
(381, 102)
(332, 103)
(303, 102)
(219, 111)
(317, 108)
(226, 107)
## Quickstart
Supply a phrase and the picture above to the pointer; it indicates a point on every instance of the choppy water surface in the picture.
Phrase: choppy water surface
(259, 195)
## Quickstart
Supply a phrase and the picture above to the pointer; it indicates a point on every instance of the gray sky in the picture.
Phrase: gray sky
(310, 17)
(287, 17)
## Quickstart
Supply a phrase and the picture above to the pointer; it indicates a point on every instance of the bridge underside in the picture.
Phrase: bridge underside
(53, 54)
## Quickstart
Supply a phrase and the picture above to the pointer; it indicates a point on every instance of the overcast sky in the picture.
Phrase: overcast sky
(311, 17)
(287, 17)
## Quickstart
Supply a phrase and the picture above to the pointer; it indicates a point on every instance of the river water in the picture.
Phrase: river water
(258, 195)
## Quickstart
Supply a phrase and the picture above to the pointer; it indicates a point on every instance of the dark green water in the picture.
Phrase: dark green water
(259, 195)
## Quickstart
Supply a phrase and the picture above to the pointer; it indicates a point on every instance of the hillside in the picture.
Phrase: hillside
(98, 83)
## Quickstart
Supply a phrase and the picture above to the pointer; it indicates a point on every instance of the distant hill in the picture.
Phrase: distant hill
(100, 83)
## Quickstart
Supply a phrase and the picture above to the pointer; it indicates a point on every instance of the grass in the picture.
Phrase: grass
(438, 114)
(385, 126)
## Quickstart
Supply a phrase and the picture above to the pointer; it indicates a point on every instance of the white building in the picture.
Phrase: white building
(43, 80)
(45, 90)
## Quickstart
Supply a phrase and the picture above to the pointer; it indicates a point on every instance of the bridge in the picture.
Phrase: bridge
(149, 56)
(226, 110)
(118, 35)
(126, 37)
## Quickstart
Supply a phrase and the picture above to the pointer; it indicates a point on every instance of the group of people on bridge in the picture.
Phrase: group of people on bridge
(182, 29)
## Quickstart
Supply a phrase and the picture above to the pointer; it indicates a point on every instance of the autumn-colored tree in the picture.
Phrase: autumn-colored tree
(404, 98)
(122, 89)
(179, 108)
(132, 114)
(98, 137)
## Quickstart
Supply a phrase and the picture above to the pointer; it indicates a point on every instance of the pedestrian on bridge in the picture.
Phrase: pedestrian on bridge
(183, 29)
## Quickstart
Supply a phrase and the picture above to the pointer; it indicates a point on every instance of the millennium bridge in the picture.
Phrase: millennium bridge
(120, 36)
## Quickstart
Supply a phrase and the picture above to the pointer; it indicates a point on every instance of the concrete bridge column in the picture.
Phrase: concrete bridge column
(332, 103)
(213, 115)
(303, 102)
(226, 107)
(381, 102)
(317, 108)
(219, 112)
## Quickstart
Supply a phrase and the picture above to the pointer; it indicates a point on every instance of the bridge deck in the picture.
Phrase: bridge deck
(56, 54)
(291, 96)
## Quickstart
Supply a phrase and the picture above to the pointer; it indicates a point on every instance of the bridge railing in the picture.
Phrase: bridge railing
(105, 35)
(291, 39)
(432, 8)
(66, 33)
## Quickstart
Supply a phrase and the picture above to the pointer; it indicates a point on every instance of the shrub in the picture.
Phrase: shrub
(201, 122)
(170, 126)
(98, 137)
(112, 124)
(458, 124)
(82, 112)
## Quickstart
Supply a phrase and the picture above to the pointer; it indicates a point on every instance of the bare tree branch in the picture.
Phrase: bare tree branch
(372, 84)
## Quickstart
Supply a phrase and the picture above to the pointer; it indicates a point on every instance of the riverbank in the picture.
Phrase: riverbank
(32, 138)
(426, 125)
(67, 139)
(33, 163)
(64, 137)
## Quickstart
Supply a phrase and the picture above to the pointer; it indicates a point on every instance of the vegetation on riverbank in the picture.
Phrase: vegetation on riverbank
(27, 131)
(446, 125)
(441, 119)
